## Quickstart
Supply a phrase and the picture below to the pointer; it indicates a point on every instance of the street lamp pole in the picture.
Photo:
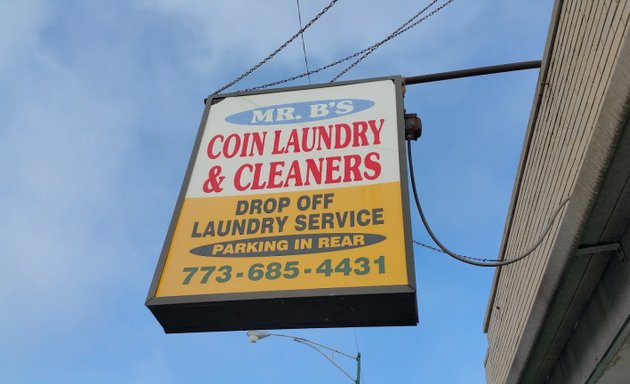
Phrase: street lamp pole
(255, 336)
(358, 380)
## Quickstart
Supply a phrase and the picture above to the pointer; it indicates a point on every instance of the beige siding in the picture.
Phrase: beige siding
(580, 61)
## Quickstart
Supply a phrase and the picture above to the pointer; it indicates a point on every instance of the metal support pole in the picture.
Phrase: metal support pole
(358, 381)
(480, 71)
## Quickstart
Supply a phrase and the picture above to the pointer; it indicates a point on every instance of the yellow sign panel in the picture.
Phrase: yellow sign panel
(291, 192)
(350, 237)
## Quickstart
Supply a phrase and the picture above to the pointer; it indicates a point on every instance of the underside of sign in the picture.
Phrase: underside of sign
(293, 214)
(338, 310)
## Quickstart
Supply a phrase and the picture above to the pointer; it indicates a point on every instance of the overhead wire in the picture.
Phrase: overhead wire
(280, 48)
(303, 43)
(471, 260)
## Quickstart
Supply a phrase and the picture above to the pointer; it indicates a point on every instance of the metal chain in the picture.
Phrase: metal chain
(280, 48)
(279, 82)
(395, 34)
(400, 30)
(435, 249)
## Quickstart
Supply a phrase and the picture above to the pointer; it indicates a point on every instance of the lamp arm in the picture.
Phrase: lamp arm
(301, 339)
(325, 347)
(319, 347)
(315, 347)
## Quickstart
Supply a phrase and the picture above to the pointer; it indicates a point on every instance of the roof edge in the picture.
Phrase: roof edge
(540, 88)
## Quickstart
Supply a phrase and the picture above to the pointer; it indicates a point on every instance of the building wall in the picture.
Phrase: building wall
(583, 47)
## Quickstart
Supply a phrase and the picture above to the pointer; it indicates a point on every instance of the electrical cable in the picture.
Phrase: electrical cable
(280, 48)
(470, 260)
(398, 31)
(303, 43)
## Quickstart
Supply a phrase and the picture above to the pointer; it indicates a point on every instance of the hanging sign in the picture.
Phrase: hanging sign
(293, 213)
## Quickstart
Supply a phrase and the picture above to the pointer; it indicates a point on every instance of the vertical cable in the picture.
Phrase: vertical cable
(308, 71)
(280, 48)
